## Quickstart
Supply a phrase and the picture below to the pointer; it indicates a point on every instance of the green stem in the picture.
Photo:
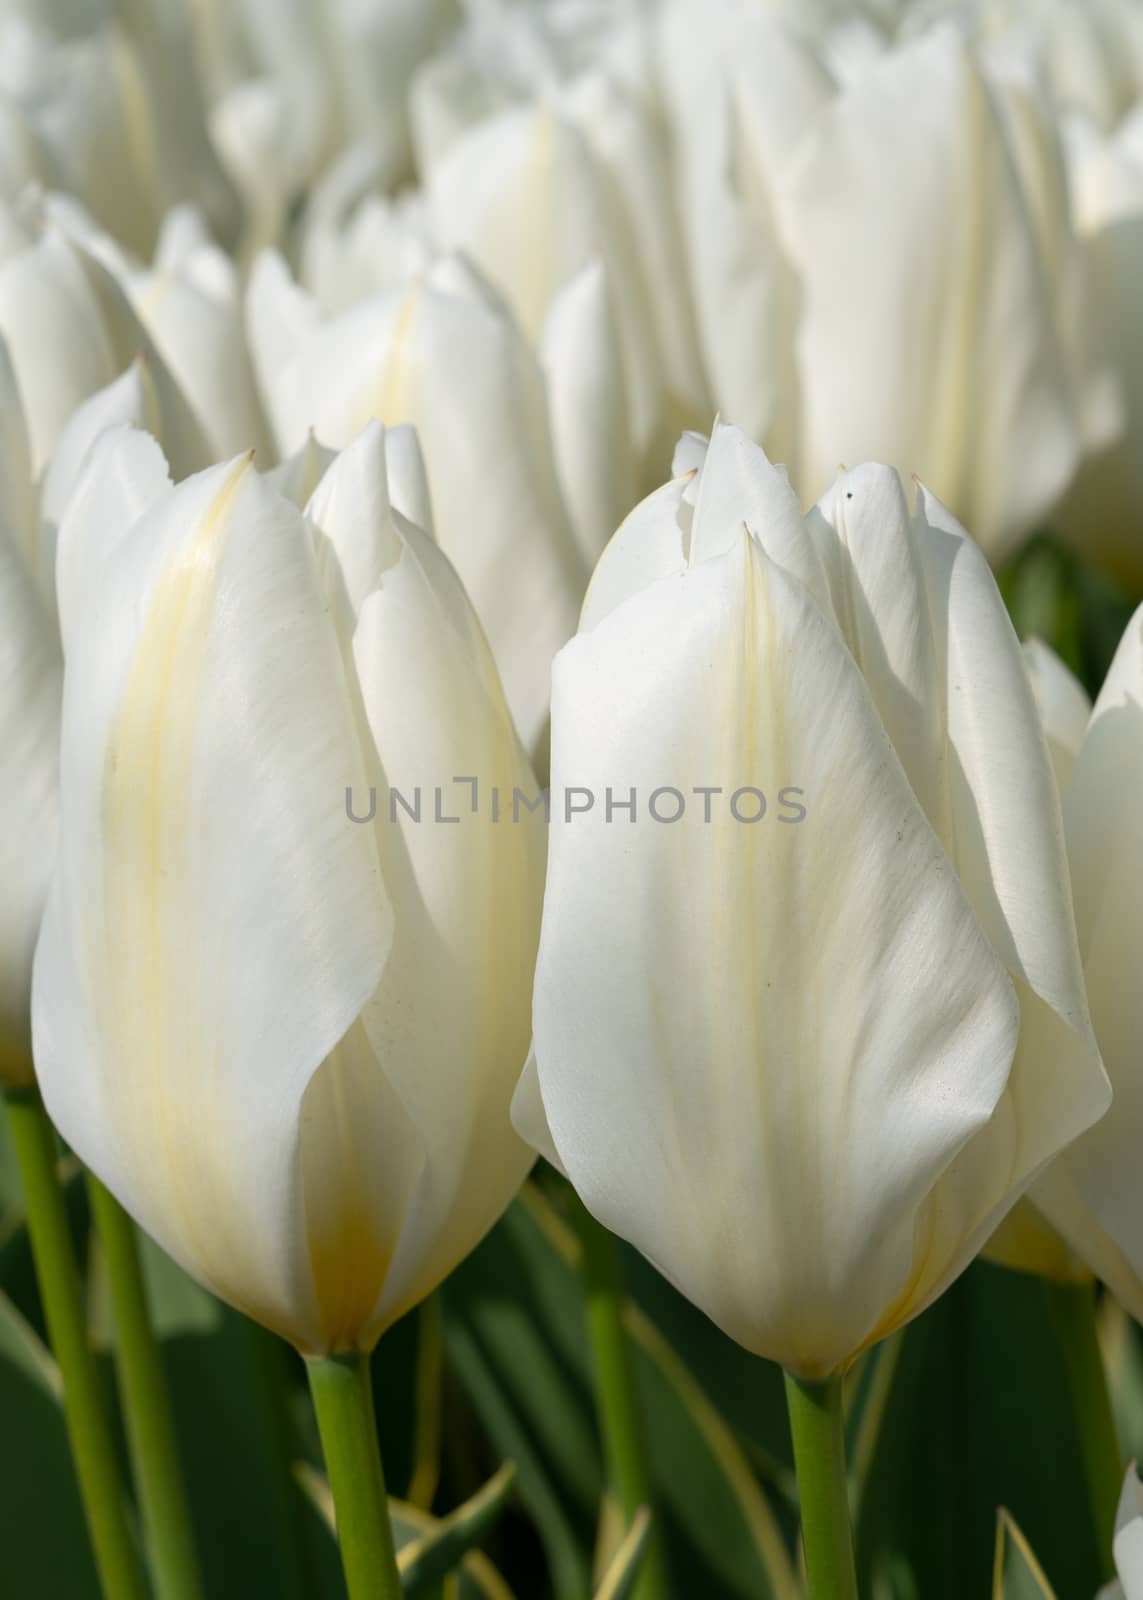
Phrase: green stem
(817, 1424)
(61, 1292)
(1072, 1309)
(343, 1399)
(616, 1399)
(147, 1407)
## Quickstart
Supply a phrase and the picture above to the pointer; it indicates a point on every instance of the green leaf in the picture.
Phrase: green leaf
(979, 1416)
(44, 1549)
(177, 1304)
(565, 1547)
(722, 1537)
(475, 1578)
(426, 1560)
(619, 1579)
(1016, 1574)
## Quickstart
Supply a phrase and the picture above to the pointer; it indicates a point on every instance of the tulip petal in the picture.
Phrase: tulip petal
(648, 544)
(467, 877)
(738, 485)
(216, 922)
(123, 473)
(1105, 849)
(1063, 704)
(953, 368)
(925, 621)
(593, 448)
(30, 690)
(1128, 1541)
(447, 359)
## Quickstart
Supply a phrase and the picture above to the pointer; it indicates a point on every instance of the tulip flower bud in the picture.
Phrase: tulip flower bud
(51, 553)
(1104, 510)
(535, 192)
(966, 353)
(190, 303)
(808, 1012)
(442, 354)
(282, 991)
(71, 332)
(88, 121)
(31, 670)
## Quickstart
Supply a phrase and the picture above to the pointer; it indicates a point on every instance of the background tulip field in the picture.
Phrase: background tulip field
(558, 239)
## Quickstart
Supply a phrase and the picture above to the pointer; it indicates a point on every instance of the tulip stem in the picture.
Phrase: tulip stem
(616, 1397)
(1072, 1309)
(817, 1424)
(85, 1403)
(343, 1399)
(146, 1406)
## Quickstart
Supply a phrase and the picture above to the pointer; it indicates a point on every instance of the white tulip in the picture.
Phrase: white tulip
(190, 302)
(443, 355)
(938, 304)
(287, 1040)
(87, 111)
(1103, 514)
(1090, 1194)
(338, 69)
(70, 332)
(1090, 54)
(31, 663)
(31, 670)
(805, 1063)
(591, 434)
(535, 192)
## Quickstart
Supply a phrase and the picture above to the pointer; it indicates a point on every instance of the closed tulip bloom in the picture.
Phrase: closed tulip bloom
(285, 1039)
(87, 115)
(31, 673)
(981, 320)
(443, 354)
(1103, 514)
(1091, 54)
(191, 304)
(805, 1054)
(535, 192)
(70, 330)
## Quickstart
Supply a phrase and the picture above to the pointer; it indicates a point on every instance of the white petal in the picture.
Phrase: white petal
(649, 544)
(30, 689)
(201, 338)
(123, 471)
(593, 448)
(351, 507)
(1105, 849)
(450, 1022)
(452, 364)
(737, 485)
(529, 1118)
(128, 402)
(216, 922)
(1063, 704)
(1128, 1543)
(408, 480)
(953, 367)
